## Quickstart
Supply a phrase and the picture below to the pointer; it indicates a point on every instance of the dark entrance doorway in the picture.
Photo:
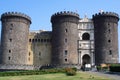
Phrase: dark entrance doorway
(86, 59)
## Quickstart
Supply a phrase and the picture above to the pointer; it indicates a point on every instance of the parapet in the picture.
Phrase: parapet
(65, 13)
(106, 14)
(17, 14)
(60, 15)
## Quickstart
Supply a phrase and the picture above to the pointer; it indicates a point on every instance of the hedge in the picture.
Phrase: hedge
(37, 72)
(115, 67)
(99, 68)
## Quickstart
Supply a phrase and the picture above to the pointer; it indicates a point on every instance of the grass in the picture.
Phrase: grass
(56, 76)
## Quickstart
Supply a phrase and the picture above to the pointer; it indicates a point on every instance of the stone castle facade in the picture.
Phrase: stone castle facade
(73, 41)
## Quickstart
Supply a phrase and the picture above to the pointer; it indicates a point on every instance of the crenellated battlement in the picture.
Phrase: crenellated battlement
(65, 16)
(64, 13)
(106, 14)
(17, 14)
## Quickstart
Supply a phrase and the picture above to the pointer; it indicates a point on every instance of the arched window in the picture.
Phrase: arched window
(86, 36)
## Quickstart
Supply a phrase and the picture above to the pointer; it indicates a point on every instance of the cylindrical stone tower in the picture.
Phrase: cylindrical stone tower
(64, 38)
(106, 37)
(14, 38)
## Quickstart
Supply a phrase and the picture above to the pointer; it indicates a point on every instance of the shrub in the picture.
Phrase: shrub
(98, 68)
(70, 71)
(75, 69)
(105, 68)
(115, 67)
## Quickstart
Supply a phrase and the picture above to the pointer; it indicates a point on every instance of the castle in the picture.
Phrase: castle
(73, 41)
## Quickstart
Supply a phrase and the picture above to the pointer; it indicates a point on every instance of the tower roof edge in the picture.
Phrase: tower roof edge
(106, 14)
(19, 14)
(65, 13)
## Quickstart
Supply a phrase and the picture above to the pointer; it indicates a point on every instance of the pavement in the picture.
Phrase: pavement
(110, 75)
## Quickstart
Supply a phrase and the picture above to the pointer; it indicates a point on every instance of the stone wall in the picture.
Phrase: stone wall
(16, 67)
(39, 48)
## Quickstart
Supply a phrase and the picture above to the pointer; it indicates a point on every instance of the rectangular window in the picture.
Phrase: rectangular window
(29, 53)
(110, 52)
(39, 53)
(66, 30)
(11, 26)
(109, 41)
(109, 30)
(9, 58)
(38, 40)
(41, 40)
(10, 40)
(65, 40)
(35, 40)
(44, 40)
(9, 51)
(66, 52)
(10, 29)
(30, 40)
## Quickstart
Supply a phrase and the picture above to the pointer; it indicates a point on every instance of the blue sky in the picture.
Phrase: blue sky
(41, 10)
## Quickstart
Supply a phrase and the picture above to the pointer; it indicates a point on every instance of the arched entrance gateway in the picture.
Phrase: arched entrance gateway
(86, 59)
